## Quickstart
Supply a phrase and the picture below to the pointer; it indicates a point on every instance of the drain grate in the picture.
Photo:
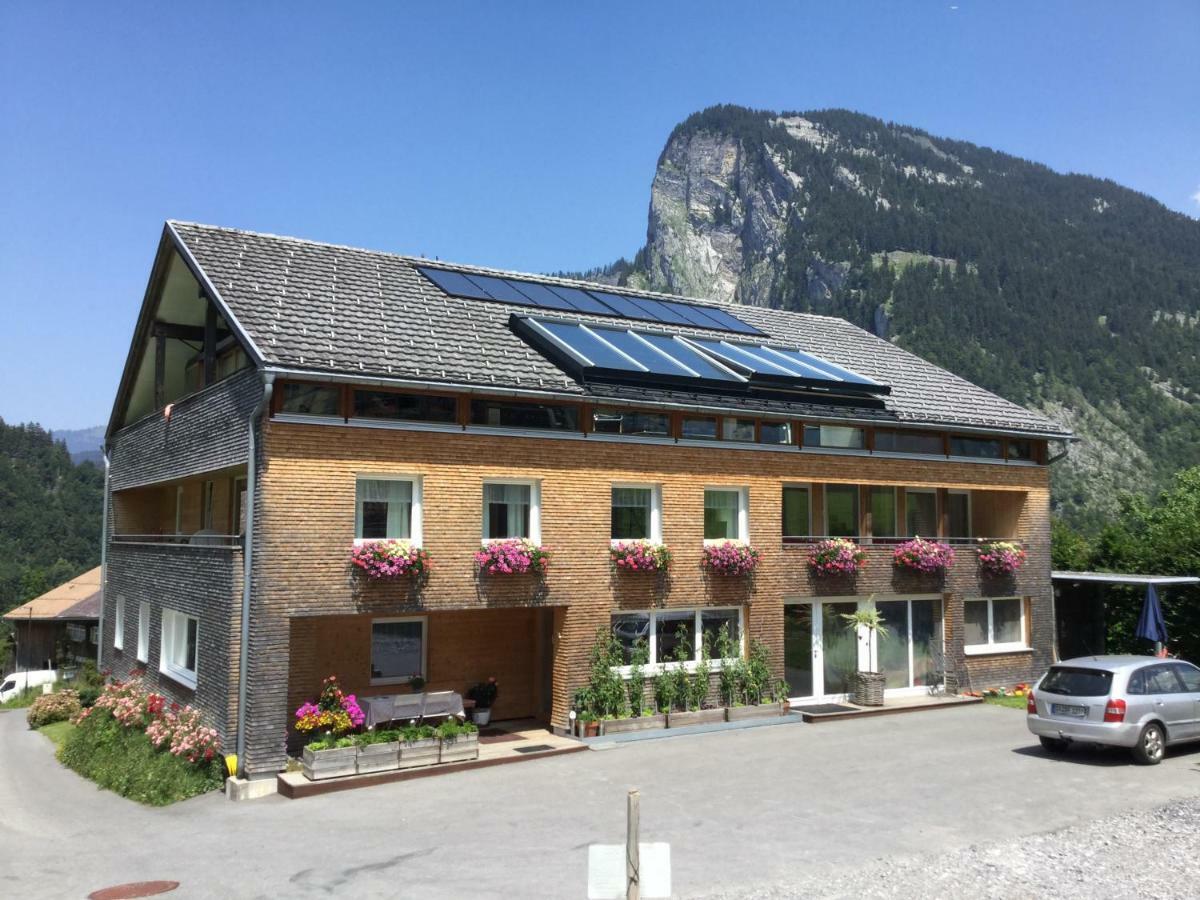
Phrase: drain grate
(533, 748)
(133, 889)
(820, 708)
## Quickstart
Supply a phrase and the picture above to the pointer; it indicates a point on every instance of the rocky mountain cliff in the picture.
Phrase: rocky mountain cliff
(1062, 292)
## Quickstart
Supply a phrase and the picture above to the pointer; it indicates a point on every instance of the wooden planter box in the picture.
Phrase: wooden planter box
(695, 717)
(641, 723)
(465, 746)
(319, 764)
(378, 757)
(424, 752)
(760, 711)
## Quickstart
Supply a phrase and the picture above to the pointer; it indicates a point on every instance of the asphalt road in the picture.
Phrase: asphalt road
(743, 811)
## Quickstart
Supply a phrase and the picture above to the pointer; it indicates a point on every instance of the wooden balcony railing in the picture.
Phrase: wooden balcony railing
(205, 540)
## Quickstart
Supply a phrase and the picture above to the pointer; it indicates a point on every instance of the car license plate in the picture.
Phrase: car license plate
(1062, 709)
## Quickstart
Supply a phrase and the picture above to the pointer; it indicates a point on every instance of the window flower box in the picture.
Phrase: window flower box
(329, 762)
(390, 559)
(512, 556)
(836, 556)
(728, 558)
(755, 711)
(381, 756)
(640, 556)
(1001, 558)
(635, 723)
(695, 717)
(920, 555)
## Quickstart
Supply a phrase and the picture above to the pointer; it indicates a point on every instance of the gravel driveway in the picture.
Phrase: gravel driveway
(1152, 853)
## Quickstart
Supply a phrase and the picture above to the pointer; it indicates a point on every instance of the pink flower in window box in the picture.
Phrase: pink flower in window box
(925, 556)
(640, 556)
(512, 556)
(836, 556)
(728, 558)
(1001, 558)
(389, 559)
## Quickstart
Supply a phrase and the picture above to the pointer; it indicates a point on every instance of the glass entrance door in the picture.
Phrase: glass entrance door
(799, 649)
(839, 647)
(908, 654)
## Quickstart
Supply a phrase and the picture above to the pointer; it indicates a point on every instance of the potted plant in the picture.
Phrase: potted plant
(868, 686)
(459, 741)
(1001, 558)
(589, 724)
(389, 559)
(484, 694)
(334, 714)
(920, 555)
(640, 556)
(728, 558)
(638, 716)
(836, 556)
(378, 751)
(746, 683)
(419, 746)
(512, 556)
(692, 689)
(416, 684)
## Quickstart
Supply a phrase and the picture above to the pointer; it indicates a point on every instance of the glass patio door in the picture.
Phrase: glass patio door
(908, 654)
(800, 650)
(839, 647)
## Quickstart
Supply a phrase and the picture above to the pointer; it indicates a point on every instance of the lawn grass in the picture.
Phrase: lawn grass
(58, 732)
(1010, 701)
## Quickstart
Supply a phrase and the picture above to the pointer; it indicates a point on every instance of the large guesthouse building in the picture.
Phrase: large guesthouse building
(285, 401)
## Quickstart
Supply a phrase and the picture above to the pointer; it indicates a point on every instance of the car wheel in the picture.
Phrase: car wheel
(1151, 745)
(1053, 745)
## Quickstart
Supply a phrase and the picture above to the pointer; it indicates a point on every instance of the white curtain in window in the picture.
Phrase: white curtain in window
(515, 499)
(721, 515)
(398, 496)
(638, 498)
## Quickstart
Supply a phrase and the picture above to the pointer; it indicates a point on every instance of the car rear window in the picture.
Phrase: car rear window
(1077, 682)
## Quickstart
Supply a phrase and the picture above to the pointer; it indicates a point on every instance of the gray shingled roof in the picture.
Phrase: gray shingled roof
(327, 308)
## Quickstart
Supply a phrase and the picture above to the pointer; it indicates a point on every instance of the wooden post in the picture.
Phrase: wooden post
(633, 889)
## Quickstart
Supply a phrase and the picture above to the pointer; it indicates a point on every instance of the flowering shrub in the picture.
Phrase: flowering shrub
(389, 559)
(729, 558)
(1001, 557)
(56, 707)
(640, 556)
(921, 555)
(512, 556)
(334, 712)
(177, 729)
(836, 556)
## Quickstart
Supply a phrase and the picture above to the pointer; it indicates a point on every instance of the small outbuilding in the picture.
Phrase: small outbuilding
(1082, 601)
(59, 628)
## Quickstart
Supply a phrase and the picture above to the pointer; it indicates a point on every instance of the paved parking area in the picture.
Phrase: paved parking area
(743, 810)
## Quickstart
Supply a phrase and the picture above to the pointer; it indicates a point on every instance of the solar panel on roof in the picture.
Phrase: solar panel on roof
(597, 302)
(603, 352)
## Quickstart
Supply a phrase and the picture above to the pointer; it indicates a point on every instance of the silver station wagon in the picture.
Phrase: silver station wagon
(1140, 702)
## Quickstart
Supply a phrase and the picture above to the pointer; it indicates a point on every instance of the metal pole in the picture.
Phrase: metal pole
(633, 888)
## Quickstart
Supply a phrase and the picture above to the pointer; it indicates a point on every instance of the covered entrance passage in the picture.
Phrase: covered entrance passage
(821, 654)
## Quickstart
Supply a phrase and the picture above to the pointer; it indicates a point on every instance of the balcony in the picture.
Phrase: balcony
(206, 540)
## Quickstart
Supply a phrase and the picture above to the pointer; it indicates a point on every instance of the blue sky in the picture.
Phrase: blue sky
(511, 134)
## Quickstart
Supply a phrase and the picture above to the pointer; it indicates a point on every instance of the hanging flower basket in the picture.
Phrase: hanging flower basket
(1001, 558)
(640, 556)
(513, 556)
(389, 559)
(920, 555)
(836, 556)
(730, 558)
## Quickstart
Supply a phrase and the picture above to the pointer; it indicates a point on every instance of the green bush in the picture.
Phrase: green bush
(23, 699)
(125, 762)
(60, 706)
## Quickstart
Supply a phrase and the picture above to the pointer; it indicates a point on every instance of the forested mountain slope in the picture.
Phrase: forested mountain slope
(1066, 293)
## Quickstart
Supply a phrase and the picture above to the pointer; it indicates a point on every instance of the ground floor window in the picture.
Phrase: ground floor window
(397, 650)
(672, 635)
(119, 624)
(143, 647)
(180, 640)
(994, 624)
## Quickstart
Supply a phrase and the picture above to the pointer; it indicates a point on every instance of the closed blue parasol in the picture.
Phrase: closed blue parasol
(1150, 624)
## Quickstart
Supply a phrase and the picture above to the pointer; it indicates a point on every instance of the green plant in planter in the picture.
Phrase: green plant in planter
(755, 674)
(870, 620)
(329, 742)
(383, 736)
(698, 687)
(728, 684)
(452, 729)
(664, 691)
(605, 694)
(636, 685)
(683, 655)
(410, 734)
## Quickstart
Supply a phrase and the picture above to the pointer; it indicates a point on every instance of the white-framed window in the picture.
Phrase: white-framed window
(726, 514)
(143, 647)
(119, 624)
(797, 511)
(387, 507)
(958, 514)
(665, 631)
(636, 512)
(994, 625)
(920, 512)
(398, 649)
(512, 509)
(180, 647)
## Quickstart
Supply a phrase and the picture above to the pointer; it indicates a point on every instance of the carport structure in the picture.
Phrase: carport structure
(1081, 600)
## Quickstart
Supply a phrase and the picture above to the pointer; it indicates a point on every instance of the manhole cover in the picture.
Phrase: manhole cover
(133, 889)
